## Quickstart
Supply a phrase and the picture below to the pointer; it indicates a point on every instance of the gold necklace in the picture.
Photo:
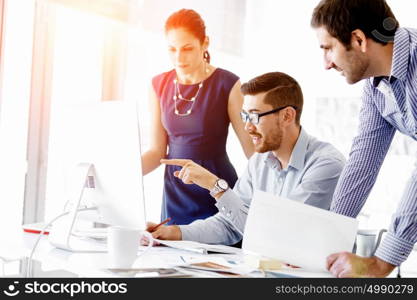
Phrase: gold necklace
(178, 96)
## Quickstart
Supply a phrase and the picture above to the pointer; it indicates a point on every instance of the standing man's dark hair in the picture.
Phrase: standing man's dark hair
(341, 17)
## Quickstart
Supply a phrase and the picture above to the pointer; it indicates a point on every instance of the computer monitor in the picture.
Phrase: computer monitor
(100, 158)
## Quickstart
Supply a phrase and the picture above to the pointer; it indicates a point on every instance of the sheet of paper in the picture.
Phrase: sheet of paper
(218, 264)
(200, 247)
(296, 233)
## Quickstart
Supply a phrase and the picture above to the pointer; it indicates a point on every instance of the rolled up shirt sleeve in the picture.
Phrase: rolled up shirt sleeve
(225, 227)
(402, 235)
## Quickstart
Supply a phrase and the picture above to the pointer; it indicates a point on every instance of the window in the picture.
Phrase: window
(16, 23)
(88, 64)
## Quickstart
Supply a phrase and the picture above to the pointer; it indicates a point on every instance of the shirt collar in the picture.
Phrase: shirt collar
(299, 152)
(400, 57)
(297, 156)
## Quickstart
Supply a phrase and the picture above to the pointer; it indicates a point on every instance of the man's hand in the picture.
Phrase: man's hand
(192, 173)
(171, 232)
(346, 264)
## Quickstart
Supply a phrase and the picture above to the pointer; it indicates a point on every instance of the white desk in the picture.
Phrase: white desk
(80, 264)
(57, 262)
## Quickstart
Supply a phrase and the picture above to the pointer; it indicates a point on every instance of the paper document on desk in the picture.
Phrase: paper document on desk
(296, 233)
(218, 265)
(199, 247)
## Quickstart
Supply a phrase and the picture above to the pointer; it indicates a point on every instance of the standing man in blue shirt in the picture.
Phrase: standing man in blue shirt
(362, 40)
(288, 162)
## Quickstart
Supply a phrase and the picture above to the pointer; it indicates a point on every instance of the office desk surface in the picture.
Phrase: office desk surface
(95, 264)
(89, 264)
(19, 246)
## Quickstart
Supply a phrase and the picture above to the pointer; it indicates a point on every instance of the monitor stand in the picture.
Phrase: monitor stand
(61, 234)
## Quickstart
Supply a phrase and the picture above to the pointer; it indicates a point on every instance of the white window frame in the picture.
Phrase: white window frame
(40, 101)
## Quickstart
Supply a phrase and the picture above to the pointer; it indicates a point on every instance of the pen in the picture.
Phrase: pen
(160, 224)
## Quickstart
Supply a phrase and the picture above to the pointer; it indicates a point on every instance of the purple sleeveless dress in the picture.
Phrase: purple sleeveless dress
(200, 136)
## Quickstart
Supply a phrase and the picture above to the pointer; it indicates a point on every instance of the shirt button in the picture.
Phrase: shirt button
(228, 214)
(223, 208)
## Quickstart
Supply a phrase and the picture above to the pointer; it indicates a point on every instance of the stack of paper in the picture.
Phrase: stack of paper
(200, 247)
(216, 267)
(296, 233)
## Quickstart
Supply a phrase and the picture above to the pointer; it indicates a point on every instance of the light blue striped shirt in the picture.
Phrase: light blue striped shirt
(310, 177)
(389, 104)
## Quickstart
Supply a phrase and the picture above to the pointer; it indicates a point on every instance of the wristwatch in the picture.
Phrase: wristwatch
(220, 186)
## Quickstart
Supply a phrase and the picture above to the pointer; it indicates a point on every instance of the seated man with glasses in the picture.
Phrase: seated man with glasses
(288, 162)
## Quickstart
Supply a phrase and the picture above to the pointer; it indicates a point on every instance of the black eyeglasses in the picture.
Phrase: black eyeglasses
(254, 117)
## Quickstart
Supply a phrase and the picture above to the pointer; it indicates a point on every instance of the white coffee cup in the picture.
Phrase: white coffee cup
(123, 245)
(367, 241)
